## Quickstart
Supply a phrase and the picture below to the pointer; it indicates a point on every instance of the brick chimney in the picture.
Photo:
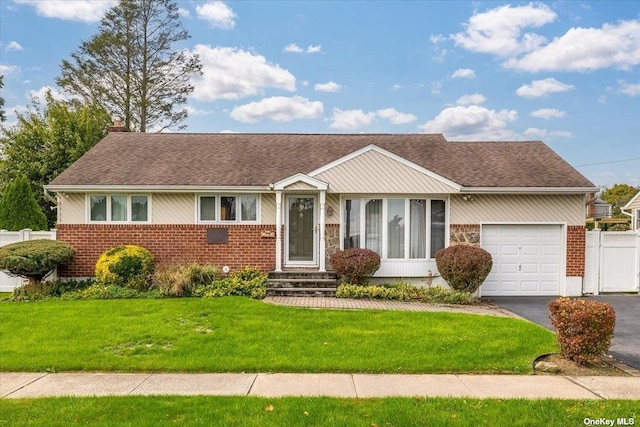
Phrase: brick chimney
(117, 126)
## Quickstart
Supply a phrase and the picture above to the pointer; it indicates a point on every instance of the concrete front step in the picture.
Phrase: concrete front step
(301, 292)
(302, 283)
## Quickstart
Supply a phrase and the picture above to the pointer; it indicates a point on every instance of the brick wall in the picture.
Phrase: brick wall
(576, 250)
(248, 245)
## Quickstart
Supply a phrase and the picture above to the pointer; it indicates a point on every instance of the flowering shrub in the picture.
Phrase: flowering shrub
(127, 265)
(355, 265)
(464, 267)
(583, 328)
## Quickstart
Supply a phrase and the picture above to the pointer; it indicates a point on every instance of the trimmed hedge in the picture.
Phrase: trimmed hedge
(583, 328)
(34, 259)
(127, 265)
(402, 291)
(355, 265)
(464, 267)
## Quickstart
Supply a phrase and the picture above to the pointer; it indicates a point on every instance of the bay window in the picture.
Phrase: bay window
(395, 228)
(118, 208)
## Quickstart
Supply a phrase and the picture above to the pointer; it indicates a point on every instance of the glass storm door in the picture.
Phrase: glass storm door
(301, 223)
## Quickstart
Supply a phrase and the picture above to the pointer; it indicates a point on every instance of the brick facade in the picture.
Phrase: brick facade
(576, 250)
(248, 245)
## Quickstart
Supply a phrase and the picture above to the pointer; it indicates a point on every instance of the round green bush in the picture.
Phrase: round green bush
(127, 265)
(355, 266)
(464, 267)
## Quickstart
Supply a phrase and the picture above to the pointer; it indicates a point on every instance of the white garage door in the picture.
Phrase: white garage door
(526, 259)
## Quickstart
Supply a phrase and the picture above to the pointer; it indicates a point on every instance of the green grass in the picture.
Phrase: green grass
(299, 411)
(236, 334)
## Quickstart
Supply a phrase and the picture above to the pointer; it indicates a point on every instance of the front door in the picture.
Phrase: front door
(301, 231)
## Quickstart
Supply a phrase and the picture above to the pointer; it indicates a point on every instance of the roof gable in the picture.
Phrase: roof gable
(375, 170)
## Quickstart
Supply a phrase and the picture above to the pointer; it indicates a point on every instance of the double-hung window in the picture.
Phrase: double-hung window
(228, 208)
(118, 208)
(395, 228)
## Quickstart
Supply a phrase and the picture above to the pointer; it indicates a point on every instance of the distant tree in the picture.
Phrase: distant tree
(619, 195)
(132, 68)
(3, 116)
(19, 208)
(46, 140)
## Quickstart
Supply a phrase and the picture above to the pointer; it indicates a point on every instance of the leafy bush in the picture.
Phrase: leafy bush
(19, 208)
(464, 267)
(183, 280)
(583, 328)
(355, 265)
(248, 282)
(405, 292)
(34, 259)
(49, 289)
(104, 291)
(127, 265)
(619, 227)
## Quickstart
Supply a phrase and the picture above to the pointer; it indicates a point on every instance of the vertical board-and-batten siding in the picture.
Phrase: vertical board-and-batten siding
(490, 208)
(374, 172)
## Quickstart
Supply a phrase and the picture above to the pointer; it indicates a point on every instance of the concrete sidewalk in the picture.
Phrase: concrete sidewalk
(31, 385)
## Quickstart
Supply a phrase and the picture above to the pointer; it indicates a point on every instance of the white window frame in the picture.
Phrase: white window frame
(108, 220)
(385, 229)
(218, 202)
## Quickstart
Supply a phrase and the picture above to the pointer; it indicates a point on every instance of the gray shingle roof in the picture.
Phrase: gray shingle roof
(183, 159)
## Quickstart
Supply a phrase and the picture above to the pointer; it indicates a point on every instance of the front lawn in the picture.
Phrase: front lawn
(236, 334)
(305, 411)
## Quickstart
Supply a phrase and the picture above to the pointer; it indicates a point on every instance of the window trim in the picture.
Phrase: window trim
(218, 201)
(108, 219)
(385, 232)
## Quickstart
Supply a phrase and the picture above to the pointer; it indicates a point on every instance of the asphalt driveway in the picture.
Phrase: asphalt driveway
(625, 345)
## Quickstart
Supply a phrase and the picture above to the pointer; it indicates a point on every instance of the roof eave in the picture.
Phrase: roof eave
(156, 188)
(529, 190)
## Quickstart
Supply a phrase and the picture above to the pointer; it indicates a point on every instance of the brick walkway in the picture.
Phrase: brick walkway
(360, 304)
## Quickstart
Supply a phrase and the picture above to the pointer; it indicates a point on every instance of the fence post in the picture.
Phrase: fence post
(600, 252)
(25, 234)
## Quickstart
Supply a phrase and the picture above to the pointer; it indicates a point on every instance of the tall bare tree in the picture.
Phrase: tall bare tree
(133, 68)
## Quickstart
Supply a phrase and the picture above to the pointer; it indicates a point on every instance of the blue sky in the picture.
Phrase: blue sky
(565, 72)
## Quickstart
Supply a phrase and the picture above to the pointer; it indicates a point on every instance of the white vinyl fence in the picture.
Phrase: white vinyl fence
(8, 283)
(612, 262)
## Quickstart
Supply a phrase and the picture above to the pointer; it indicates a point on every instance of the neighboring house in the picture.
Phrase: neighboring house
(633, 209)
(598, 209)
(287, 201)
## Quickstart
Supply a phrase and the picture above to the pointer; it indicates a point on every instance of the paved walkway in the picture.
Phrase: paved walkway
(31, 385)
(359, 304)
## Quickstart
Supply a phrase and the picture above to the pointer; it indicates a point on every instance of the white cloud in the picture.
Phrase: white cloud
(218, 14)
(327, 87)
(630, 89)
(436, 87)
(78, 10)
(548, 113)
(542, 133)
(396, 117)
(350, 119)
(13, 46)
(232, 73)
(278, 108)
(539, 88)
(195, 112)
(499, 31)
(40, 94)
(9, 70)
(586, 49)
(294, 48)
(472, 123)
(463, 73)
(184, 13)
(473, 99)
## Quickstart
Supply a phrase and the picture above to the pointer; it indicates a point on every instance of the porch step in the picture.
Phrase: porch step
(302, 283)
